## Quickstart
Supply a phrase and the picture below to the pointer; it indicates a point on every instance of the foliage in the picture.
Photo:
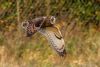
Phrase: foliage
(84, 10)
(81, 34)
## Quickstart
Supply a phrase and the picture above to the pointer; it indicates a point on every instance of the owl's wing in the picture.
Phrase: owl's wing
(54, 36)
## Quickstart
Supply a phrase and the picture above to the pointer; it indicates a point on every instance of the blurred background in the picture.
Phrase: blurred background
(81, 33)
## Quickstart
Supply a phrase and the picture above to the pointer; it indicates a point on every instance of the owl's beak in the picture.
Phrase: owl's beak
(29, 34)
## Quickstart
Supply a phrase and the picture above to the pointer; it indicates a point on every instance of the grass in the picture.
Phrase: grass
(82, 40)
(83, 50)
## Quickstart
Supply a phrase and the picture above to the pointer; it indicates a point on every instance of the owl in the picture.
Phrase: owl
(48, 27)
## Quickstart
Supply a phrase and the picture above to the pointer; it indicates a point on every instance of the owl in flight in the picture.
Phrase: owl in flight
(48, 27)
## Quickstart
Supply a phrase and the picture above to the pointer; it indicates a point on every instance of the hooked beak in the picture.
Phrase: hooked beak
(30, 34)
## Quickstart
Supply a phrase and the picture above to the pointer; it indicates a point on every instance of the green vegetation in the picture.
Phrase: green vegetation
(81, 33)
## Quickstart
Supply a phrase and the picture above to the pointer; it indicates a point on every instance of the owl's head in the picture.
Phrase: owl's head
(29, 28)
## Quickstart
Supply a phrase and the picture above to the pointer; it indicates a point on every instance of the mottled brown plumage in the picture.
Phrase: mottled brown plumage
(48, 27)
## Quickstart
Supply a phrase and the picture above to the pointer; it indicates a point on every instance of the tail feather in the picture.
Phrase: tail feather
(62, 54)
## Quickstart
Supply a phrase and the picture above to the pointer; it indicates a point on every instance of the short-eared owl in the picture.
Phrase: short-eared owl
(46, 26)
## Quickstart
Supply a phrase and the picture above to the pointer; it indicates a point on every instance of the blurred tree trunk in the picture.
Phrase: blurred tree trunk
(47, 4)
(18, 12)
(18, 19)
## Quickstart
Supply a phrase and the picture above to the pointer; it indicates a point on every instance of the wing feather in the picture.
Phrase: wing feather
(55, 38)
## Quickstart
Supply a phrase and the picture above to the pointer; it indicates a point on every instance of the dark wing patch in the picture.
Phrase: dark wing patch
(57, 44)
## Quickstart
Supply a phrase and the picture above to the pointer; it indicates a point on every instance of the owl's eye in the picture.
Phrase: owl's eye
(25, 24)
(52, 20)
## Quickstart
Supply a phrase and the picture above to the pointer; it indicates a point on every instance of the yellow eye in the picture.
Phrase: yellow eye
(25, 24)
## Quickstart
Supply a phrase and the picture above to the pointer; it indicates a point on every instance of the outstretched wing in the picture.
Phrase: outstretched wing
(54, 36)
